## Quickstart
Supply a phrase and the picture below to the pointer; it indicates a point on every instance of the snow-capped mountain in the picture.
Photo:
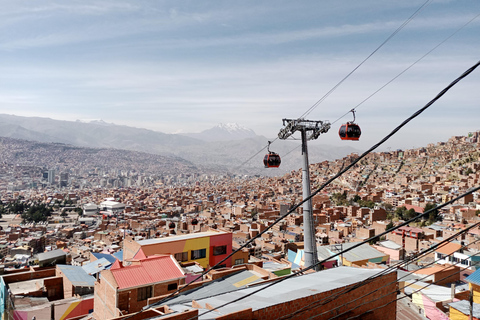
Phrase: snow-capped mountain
(224, 132)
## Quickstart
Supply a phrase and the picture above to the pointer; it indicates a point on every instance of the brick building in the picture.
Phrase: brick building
(126, 289)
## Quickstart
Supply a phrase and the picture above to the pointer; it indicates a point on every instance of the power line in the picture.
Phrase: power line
(346, 250)
(439, 95)
(416, 114)
(415, 281)
(387, 270)
(405, 296)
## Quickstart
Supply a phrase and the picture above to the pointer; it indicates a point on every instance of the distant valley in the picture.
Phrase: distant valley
(202, 151)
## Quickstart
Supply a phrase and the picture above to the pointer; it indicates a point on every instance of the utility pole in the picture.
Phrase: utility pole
(309, 130)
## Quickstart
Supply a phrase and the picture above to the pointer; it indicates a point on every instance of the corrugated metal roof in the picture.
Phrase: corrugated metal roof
(107, 256)
(76, 275)
(149, 271)
(432, 291)
(474, 278)
(390, 244)
(363, 252)
(119, 255)
(226, 284)
(288, 290)
(97, 266)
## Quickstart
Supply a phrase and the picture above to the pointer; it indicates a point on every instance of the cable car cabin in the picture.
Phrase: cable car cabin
(350, 131)
(272, 160)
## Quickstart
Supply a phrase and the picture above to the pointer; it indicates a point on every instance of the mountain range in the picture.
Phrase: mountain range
(223, 132)
(225, 146)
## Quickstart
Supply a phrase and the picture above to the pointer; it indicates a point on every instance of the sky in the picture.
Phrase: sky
(185, 66)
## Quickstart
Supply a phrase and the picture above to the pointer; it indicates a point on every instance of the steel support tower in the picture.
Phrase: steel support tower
(309, 130)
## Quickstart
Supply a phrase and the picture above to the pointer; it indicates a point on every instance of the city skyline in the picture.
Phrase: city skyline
(178, 68)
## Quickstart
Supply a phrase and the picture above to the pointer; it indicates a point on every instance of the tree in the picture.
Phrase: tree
(400, 212)
(409, 214)
(37, 213)
(340, 199)
(389, 226)
(366, 203)
(355, 198)
(79, 211)
(433, 216)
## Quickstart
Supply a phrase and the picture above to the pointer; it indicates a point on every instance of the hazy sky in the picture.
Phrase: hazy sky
(185, 66)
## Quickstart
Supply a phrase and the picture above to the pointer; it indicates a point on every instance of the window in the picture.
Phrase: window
(219, 250)
(238, 261)
(199, 254)
(172, 286)
(182, 256)
(144, 293)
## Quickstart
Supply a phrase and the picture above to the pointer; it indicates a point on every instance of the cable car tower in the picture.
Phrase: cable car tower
(310, 130)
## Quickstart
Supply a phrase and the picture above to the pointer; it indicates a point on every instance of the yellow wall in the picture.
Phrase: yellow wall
(457, 315)
(476, 292)
(196, 244)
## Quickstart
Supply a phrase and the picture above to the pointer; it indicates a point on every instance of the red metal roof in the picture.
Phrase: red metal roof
(151, 270)
(140, 255)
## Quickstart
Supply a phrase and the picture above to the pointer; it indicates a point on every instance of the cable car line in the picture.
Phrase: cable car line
(406, 69)
(382, 87)
(409, 67)
(316, 104)
(394, 131)
(427, 2)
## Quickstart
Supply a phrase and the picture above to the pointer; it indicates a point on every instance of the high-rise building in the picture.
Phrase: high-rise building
(63, 179)
(51, 176)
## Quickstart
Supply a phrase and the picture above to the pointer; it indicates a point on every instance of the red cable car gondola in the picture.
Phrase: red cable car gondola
(271, 159)
(350, 130)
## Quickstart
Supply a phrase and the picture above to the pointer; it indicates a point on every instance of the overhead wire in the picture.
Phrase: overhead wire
(316, 104)
(406, 69)
(418, 290)
(391, 268)
(438, 96)
(405, 122)
(412, 282)
(409, 67)
(268, 285)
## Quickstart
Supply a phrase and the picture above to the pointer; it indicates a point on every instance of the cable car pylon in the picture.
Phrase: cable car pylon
(310, 130)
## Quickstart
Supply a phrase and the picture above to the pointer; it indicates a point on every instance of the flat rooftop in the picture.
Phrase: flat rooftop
(181, 237)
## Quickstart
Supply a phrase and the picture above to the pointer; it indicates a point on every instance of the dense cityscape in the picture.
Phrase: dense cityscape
(70, 233)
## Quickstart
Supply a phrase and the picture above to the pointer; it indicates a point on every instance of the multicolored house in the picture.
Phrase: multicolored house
(206, 248)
